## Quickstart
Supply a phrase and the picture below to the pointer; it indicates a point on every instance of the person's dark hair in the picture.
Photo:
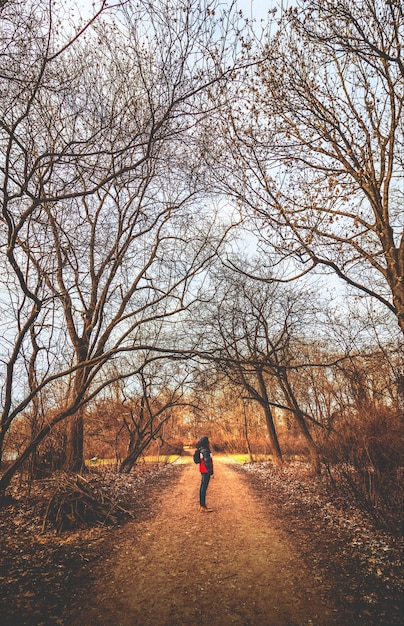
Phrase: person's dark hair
(203, 442)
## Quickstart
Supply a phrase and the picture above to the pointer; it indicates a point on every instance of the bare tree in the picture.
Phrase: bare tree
(257, 332)
(102, 228)
(160, 394)
(315, 146)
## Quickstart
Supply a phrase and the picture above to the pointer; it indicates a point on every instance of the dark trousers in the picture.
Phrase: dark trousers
(205, 478)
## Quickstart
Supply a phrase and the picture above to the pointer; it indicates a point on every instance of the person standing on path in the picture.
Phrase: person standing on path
(206, 470)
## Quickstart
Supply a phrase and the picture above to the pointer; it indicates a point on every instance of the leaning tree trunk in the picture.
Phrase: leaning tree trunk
(300, 419)
(30, 448)
(273, 437)
(131, 458)
(128, 463)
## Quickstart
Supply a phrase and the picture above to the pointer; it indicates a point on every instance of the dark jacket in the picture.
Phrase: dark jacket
(206, 464)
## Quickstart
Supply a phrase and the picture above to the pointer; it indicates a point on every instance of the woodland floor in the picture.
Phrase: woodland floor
(276, 550)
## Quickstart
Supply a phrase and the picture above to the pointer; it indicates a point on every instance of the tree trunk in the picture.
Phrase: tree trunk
(75, 443)
(131, 458)
(127, 464)
(246, 435)
(298, 413)
(273, 437)
(398, 300)
(137, 444)
(75, 426)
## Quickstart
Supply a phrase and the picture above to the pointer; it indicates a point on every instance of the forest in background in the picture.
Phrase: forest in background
(202, 233)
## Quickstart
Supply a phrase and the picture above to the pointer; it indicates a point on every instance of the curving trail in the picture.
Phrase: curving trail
(231, 566)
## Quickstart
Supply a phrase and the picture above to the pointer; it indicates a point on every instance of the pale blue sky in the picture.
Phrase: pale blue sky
(256, 9)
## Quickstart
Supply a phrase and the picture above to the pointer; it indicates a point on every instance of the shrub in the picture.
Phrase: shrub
(365, 455)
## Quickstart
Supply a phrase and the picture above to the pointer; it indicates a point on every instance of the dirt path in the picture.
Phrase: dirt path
(231, 566)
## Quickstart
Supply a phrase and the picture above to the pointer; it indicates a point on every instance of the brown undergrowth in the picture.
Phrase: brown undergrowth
(42, 571)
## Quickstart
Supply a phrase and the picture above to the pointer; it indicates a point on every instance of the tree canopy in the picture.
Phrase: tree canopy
(146, 150)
